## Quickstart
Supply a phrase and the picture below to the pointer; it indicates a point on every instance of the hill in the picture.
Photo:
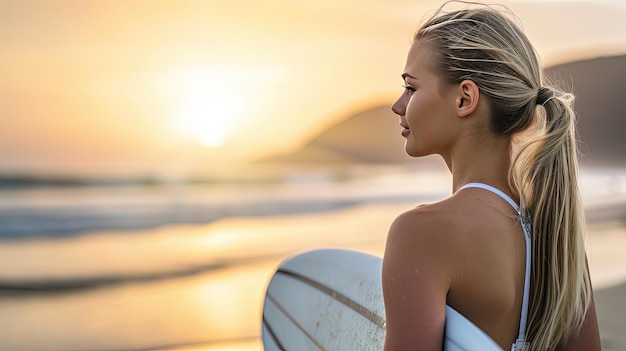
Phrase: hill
(373, 135)
(598, 86)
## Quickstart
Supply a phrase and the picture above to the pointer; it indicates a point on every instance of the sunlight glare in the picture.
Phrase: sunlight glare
(208, 103)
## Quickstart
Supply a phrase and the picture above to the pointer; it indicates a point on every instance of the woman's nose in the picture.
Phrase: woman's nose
(398, 107)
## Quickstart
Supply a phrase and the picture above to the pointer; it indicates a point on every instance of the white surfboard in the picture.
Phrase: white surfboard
(332, 300)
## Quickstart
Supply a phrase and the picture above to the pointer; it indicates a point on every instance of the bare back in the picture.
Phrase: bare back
(469, 253)
(489, 285)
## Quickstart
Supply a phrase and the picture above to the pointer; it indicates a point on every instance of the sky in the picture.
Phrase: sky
(177, 87)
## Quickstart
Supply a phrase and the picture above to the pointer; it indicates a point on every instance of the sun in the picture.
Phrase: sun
(207, 105)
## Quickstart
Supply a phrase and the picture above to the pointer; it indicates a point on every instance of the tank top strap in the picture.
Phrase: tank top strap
(495, 191)
(520, 344)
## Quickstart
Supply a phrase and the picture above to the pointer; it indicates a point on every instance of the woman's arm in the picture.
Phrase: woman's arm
(415, 284)
(589, 337)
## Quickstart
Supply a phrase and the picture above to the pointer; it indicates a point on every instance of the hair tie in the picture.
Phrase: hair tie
(544, 95)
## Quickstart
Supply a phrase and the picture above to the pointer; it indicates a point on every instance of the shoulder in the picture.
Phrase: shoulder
(449, 235)
(418, 268)
(431, 233)
(419, 250)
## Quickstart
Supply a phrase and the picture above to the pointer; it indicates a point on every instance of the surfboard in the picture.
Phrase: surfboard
(332, 299)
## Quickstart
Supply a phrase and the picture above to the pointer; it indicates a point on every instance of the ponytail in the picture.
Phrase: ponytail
(545, 171)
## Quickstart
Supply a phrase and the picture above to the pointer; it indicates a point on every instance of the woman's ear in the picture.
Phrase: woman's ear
(467, 98)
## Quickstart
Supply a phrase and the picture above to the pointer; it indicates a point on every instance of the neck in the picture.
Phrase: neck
(481, 162)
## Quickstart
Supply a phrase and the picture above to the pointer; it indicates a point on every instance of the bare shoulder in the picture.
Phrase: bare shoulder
(417, 269)
(432, 233)
(440, 236)
(421, 245)
(426, 238)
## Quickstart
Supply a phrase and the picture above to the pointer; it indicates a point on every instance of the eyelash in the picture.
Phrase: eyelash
(408, 88)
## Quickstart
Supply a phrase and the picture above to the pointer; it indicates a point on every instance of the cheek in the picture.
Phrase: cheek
(412, 105)
(418, 107)
(426, 104)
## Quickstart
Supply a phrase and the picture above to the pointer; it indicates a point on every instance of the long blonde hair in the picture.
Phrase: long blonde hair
(486, 46)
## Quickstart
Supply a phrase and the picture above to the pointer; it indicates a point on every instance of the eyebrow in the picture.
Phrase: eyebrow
(406, 75)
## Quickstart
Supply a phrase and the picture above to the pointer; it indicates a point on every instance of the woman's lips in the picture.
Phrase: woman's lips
(406, 131)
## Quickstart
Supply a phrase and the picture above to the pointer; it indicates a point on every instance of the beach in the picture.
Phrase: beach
(160, 159)
(201, 286)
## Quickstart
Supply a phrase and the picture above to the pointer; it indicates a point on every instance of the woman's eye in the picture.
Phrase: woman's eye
(408, 88)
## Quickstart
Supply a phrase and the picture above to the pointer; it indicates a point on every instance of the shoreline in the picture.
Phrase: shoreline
(224, 303)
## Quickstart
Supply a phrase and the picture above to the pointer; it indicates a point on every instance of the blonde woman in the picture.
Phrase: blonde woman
(506, 249)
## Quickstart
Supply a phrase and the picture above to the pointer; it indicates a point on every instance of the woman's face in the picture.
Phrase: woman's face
(427, 108)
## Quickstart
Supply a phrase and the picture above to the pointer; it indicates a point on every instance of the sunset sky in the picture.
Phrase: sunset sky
(151, 87)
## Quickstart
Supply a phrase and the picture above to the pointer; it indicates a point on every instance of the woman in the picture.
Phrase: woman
(474, 94)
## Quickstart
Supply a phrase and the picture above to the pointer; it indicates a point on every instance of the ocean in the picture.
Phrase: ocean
(78, 208)
(174, 265)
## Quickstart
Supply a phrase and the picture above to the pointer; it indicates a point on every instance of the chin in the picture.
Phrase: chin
(411, 151)
(415, 152)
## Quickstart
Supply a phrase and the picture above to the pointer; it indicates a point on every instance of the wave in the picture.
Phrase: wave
(38, 213)
(51, 212)
(28, 223)
(24, 181)
(52, 285)
(48, 286)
